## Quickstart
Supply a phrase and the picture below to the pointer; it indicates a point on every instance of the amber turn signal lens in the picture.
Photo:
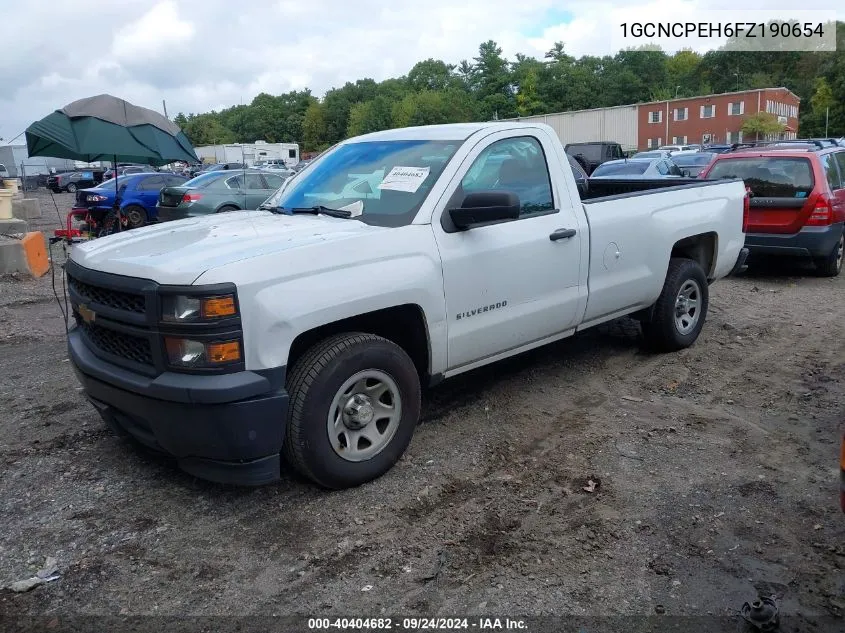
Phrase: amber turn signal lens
(223, 352)
(216, 307)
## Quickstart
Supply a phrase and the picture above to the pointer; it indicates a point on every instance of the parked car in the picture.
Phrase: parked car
(221, 167)
(216, 192)
(692, 164)
(75, 180)
(638, 168)
(675, 148)
(259, 333)
(591, 155)
(301, 165)
(4, 173)
(580, 176)
(797, 199)
(138, 196)
(717, 148)
(127, 170)
(652, 153)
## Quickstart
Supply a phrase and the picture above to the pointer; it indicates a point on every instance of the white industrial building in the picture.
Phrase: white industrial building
(617, 124)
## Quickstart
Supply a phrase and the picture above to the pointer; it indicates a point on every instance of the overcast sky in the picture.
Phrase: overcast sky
(200, 55)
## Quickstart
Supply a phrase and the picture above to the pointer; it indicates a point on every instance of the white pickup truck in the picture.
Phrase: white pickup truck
(307, 331)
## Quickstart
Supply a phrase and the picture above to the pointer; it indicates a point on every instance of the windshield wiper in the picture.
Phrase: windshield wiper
(320, 209)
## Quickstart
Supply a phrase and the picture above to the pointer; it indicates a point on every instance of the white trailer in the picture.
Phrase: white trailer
(617, 124)
(249, 153)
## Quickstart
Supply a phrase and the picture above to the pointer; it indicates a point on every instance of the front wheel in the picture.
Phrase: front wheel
(681, 308)
(831, 265)
(354, 405)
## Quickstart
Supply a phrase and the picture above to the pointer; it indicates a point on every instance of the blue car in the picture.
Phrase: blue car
(138, 196)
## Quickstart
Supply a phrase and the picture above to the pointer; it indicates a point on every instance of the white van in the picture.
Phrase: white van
(4, 173)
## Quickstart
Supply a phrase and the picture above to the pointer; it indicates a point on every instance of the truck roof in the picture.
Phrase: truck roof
(445, 132)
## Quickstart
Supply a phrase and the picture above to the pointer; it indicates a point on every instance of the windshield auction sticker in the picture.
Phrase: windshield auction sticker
(406, 179)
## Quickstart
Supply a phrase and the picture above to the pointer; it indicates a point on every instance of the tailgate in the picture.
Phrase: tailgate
(781, 197)
(171, 196)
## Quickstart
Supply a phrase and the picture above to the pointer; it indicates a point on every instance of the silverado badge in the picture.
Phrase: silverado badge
(87, 314)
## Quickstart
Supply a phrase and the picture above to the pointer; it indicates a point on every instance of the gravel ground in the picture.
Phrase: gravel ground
(715, 478)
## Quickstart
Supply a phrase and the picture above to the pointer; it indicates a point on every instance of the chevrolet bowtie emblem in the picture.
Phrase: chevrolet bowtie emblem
(87, 314)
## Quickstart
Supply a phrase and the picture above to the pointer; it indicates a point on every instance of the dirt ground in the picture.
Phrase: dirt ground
(715, 477)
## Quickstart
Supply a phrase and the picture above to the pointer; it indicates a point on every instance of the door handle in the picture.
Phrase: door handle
(562, 234)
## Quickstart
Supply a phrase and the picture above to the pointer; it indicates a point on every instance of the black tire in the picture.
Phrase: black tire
(227, 208)
(663, 333)
(71, 188)
(831, 265)
(137, 216)
(314, 383)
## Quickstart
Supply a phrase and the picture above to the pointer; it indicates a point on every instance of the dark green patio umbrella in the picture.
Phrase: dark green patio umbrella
(107, 128)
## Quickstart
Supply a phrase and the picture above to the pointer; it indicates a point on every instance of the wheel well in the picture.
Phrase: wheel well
(404, 325)
(227, 206)
(699, 248)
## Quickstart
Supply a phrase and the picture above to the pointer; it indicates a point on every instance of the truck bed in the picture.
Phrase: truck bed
(605, 188)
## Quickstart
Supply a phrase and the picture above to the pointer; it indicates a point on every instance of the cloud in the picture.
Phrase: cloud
(200, 55)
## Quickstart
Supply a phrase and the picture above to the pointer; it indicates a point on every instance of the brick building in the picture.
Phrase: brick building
(712, 118)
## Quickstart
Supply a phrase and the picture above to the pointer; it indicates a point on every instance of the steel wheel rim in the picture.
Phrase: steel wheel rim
(134, 217)
(839, 253)
(688, 307)
(364, 415)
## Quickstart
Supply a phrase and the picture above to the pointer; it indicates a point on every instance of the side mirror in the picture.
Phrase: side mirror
(484, 207)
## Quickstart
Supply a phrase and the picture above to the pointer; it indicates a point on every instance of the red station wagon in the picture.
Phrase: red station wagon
(797, 198)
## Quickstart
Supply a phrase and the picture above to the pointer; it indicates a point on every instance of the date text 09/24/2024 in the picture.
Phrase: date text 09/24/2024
(417, 624)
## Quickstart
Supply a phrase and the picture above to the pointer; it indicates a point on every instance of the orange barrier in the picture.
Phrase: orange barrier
(35, 253)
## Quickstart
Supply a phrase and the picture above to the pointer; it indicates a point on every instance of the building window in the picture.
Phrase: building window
(736, 109)
(656, 116)
(681, 114)
(727, 137)
(679, 140)
(739, 137)
(649, 144)
(708, 111)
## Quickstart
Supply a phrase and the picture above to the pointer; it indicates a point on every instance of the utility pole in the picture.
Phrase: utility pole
(826, 120)
(164, 105)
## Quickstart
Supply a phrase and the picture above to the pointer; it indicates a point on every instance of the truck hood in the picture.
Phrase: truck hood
(179, 252)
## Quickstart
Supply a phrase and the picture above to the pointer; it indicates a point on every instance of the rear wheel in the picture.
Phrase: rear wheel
(831, 265)
(354, 405)
(227, 208)
(681, 309)
(71, 188)
(135, 215)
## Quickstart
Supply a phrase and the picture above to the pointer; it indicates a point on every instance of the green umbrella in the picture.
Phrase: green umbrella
(107, 128)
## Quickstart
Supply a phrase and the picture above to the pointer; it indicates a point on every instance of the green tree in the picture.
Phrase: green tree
(762, 124)
(370, 116)
(431, 74)
(314, 130)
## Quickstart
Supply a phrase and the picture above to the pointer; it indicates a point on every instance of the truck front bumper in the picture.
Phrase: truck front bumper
(226, 428)
(810, 241)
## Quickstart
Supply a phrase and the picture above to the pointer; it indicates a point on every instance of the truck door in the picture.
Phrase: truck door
(516, 282)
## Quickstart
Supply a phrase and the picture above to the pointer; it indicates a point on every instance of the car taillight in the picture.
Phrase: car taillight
(191, 197)
(746, 209)
(822, 214)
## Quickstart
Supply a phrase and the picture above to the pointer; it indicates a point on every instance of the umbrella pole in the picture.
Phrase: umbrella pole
(116, 207)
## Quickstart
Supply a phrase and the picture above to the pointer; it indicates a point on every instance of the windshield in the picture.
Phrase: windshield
(620, 169)
(383, 182)
(202, 180)
(768, 177)
(660, 154)
(687, 160)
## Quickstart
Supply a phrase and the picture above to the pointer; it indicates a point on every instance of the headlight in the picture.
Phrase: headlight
(184, 352)
(187, 309)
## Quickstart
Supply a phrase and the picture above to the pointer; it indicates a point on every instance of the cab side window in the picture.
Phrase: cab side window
(517, 165)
